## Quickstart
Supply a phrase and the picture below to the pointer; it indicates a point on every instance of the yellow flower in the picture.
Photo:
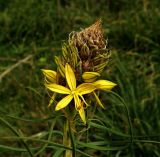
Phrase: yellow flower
(90, 76)
(72, 92)
(76, 92)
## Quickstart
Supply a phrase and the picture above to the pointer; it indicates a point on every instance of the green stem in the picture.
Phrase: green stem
(67, 139)
(71, 133)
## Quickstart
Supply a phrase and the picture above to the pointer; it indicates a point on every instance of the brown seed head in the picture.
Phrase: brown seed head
(89, 41)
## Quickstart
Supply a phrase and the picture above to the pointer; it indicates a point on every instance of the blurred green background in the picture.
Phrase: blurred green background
(31, 34)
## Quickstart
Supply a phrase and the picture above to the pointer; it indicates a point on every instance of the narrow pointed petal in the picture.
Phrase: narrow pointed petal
(90, 76)
(58, 88)
(79, 107)
(85, 88)
(50, 75)
(98, 100)
(70, 77)
(84, 100)
(82, 114)
(77, 102)
(64, 102)
(52, 99)
(104, 84)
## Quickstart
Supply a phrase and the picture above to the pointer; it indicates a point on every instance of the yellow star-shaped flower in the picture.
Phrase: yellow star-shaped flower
(72, 92)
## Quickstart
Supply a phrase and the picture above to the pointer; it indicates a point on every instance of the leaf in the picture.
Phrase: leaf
(97, 147)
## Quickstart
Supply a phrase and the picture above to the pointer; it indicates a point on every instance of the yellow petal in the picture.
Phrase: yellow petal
(104, 84)
(98, 100)
(77, 102)
(90, 76)
(70, 77)
(82, 114)
(85, 88)
(79, 107)
(52, 99)
(64, 102)
(84, 100)
(58, 88)
(50, 75)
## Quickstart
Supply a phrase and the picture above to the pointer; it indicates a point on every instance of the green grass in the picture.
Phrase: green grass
(130, 126)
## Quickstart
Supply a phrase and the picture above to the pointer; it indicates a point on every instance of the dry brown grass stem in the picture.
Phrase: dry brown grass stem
(7, 71)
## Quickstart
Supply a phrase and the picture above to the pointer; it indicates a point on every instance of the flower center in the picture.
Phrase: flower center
(73, 92)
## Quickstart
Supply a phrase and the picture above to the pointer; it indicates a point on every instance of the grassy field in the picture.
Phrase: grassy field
(31, 34)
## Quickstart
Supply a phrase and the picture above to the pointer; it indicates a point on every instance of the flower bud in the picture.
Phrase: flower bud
(90, 76)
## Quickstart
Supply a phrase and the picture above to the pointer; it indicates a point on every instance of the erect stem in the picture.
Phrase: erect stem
(72, 138)
(67, 139)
